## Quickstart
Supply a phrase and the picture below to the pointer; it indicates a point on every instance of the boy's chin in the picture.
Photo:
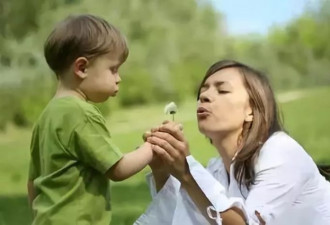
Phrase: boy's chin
(100, 99)
(114, 94)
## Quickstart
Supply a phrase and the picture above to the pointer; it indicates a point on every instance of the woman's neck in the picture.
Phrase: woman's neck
(227, 146)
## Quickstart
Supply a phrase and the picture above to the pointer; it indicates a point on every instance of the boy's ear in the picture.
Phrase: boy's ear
(80, 67)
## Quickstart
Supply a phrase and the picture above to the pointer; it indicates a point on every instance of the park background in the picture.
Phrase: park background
(172, 43)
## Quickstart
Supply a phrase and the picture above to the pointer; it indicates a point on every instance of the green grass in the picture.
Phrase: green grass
(306, 119)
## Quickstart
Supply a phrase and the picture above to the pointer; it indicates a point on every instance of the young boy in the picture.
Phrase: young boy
(72, 154)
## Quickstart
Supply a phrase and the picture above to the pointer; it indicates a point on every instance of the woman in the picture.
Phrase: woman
(263, 175)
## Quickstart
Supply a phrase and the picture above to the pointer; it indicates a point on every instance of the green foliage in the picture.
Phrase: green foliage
(170, 50)
(303, 46)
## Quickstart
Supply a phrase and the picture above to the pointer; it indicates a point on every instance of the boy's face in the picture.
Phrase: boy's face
(102, 78)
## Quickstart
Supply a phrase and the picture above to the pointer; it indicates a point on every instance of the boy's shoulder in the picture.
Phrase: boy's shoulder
(69, 110)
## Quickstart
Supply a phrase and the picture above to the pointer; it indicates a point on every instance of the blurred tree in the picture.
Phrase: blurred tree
(171, 43)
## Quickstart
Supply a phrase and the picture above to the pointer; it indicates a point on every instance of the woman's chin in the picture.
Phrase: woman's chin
(208, 129)
(203, 128)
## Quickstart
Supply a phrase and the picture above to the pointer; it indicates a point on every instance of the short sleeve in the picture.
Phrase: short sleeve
(32, 171)
(91, 143)
(34, 158)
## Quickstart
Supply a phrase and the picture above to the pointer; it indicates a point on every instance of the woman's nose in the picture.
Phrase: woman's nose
(204, 97)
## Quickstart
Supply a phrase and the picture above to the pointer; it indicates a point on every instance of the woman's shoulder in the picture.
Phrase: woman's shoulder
(281, 149)
(280, 143)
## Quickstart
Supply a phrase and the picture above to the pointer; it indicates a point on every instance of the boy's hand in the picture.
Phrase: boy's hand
(146, 135)
(149, 133)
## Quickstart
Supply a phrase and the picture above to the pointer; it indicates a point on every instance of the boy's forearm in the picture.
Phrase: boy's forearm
(131, 163)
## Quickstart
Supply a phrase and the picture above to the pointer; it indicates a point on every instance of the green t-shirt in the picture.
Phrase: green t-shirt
(71, 150)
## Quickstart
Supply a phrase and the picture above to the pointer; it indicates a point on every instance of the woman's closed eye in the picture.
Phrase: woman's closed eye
(223, 91)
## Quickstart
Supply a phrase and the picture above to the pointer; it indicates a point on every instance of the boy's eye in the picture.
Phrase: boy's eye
(114, 69)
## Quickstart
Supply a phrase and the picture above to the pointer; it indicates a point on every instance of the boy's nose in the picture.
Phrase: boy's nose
(118, 80)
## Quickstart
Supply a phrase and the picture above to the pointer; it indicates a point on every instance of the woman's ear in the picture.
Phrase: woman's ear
(80, 67)
(249, 118)
(248, 114)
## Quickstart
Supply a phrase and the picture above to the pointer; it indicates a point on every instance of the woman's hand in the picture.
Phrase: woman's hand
(169, 144)
(156, 164)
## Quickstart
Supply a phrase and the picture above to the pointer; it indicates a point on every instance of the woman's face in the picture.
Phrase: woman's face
(223, 104)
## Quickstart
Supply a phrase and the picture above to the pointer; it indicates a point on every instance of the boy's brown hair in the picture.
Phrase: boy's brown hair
(82, 36)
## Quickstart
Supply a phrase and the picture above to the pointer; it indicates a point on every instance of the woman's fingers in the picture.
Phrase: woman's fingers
(164, 155)
(164, 145)
(174, 129)
(172, 124)
(154, 129)
(165, 122)
(177, 166)
(172, 148)
(176, 144)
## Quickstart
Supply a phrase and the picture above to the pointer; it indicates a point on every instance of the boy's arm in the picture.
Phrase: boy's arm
(31, 192)
(131, 163)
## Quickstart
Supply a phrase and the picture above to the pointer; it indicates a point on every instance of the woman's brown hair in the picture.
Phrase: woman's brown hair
(265, 122)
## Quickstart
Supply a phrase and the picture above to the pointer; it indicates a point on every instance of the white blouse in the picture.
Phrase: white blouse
(288, 190)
